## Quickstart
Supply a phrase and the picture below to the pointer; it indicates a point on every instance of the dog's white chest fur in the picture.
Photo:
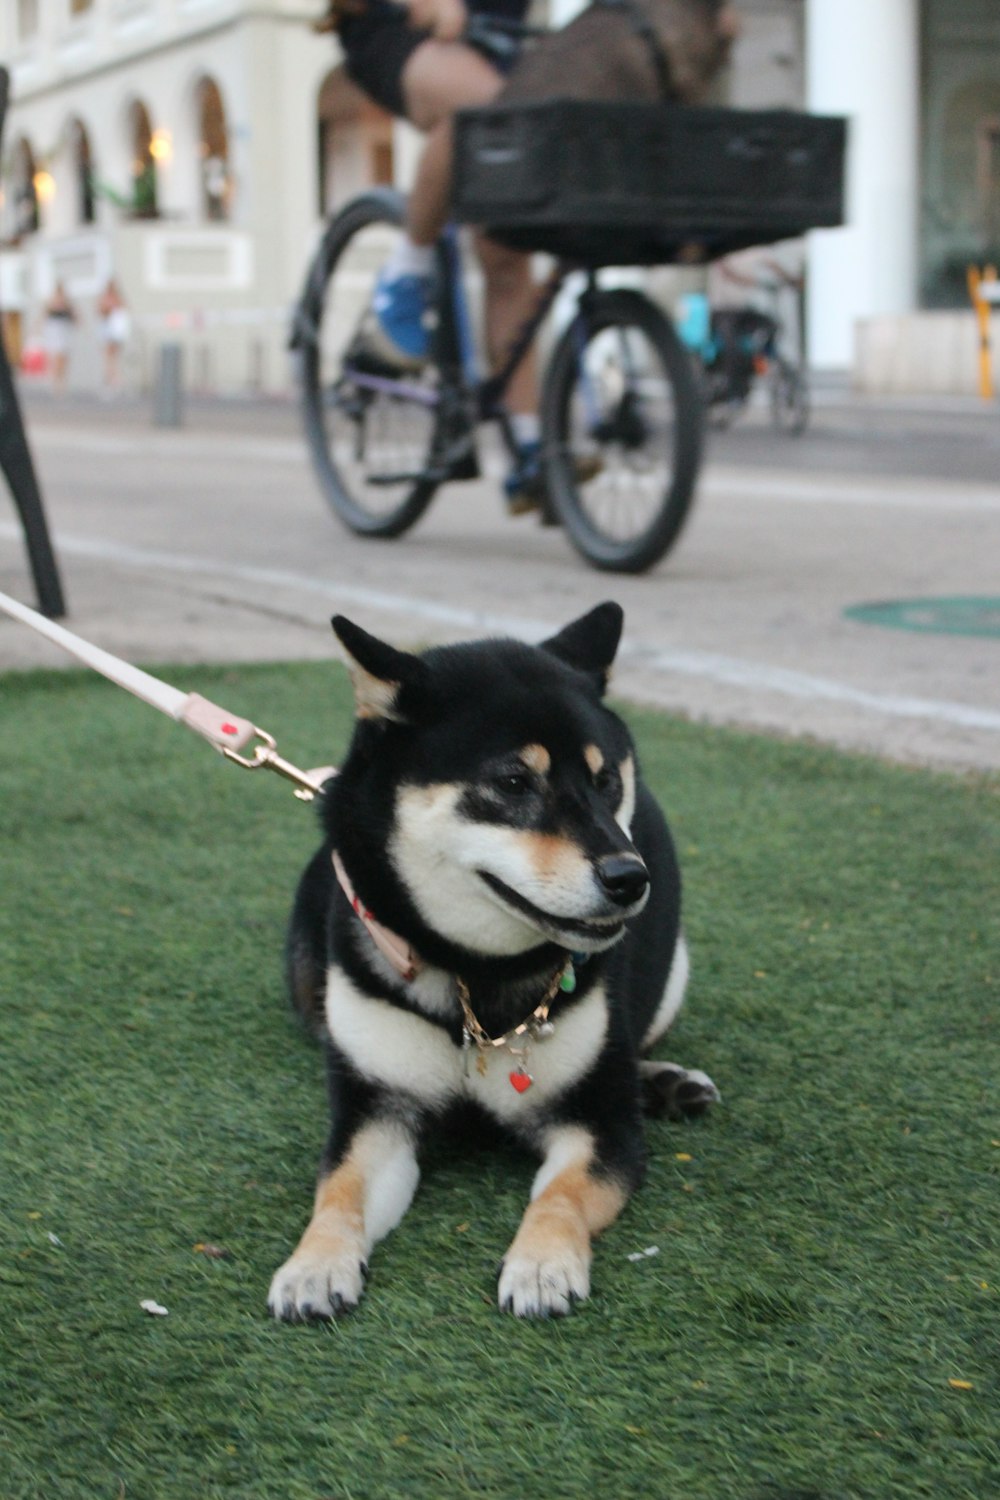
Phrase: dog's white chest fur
(413, 1056)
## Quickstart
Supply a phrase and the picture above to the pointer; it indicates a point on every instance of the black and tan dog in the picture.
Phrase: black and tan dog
(493, 920)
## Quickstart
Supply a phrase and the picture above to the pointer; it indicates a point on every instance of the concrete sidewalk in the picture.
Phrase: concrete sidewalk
(211, 542)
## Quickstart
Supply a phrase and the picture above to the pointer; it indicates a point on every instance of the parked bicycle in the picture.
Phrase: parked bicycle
(620, 411)
(735, 348)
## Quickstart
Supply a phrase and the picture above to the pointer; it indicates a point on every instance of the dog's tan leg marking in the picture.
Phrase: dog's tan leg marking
(356, 1204)
(547, 1267)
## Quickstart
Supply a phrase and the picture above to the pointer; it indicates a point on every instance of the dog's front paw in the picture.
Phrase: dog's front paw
(679, 1093)
(310, 1287)
(531, 1287)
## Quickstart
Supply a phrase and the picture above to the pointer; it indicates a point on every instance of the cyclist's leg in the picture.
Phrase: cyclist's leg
(438, 79)
(425, 80)
(510, 300)
(511, 295)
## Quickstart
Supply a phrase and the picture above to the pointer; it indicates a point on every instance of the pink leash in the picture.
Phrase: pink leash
(227, 732)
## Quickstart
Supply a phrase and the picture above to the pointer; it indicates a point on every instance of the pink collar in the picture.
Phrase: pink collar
(404, 960)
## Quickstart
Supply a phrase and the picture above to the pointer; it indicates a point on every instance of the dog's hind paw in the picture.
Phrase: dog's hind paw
(308, 1289)
(532, 1288)
(679, 1093)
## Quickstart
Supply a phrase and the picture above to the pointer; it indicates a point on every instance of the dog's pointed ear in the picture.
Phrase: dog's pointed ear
(591, 642)
(383, 677)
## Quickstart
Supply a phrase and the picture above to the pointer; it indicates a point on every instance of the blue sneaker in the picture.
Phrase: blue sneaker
(394, 328)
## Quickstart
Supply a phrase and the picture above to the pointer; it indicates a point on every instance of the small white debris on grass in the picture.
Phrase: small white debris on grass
(54, 1239)
(155, 1309)
(645, 1254)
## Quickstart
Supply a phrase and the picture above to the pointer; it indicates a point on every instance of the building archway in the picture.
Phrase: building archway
(355, 142)
(24, 194)
(82, 163)
(216, 181)
(988, 177)
(142, 162)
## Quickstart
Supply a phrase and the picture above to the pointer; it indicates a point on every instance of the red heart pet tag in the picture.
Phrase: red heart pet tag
(521, 1080)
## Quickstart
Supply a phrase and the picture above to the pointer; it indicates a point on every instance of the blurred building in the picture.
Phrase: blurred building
(191, 148)
(920, 83)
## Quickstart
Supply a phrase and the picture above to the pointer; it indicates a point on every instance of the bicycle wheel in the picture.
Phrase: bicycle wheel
(789, 398)
(370, 431)
(622, 423)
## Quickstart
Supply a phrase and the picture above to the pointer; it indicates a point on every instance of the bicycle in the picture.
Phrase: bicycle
(621, 416)
(735, 347)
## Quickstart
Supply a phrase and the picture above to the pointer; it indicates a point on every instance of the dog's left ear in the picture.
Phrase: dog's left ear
(383, 678)
(590, 643)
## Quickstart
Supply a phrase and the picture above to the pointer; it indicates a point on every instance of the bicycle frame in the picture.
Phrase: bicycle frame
(465, 397)
(592, 420)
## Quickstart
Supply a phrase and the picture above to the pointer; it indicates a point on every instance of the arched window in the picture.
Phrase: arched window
(213, 144)
(988, 178)
(83, 171)
(971, 139)
(143, 162)
(24, 191)
(354, 142)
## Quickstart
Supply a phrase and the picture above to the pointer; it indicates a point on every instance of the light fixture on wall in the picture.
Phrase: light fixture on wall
(161, 146)
(44, 185)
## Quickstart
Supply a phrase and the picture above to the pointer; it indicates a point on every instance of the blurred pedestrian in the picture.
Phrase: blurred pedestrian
(115, 328)
(60, 315)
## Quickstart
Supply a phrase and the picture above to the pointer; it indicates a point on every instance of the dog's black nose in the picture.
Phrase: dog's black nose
(624, 877)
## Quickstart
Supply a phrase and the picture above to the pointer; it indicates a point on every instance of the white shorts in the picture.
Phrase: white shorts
(116, 326)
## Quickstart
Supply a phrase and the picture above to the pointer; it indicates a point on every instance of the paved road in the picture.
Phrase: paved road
(210, 543)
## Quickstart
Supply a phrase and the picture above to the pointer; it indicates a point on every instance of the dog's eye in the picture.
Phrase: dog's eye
(513, 783)
(607, 782)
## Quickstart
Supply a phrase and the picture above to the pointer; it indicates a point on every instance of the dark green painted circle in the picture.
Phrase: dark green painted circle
(971, 615)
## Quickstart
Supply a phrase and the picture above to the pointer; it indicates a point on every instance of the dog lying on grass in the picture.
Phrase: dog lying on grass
(493, 920)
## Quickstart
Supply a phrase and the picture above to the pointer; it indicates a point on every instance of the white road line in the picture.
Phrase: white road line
(722, 480)
(171, 445)
(796, 487)
(708, 666)
(759, 677)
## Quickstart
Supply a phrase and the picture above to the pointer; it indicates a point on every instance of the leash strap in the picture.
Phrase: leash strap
(228, 733)
(397, 950)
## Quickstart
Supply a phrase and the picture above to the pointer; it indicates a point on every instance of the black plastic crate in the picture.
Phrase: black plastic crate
(645, 184)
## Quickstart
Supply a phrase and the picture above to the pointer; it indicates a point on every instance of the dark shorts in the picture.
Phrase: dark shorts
(378, 45)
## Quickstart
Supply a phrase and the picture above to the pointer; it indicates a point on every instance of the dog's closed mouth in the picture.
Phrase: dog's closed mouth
(603, 927)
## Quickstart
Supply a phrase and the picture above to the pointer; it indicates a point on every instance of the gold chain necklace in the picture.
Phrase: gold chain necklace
(534, 1028)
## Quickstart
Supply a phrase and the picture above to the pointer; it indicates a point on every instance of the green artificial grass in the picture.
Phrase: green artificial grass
(827, 1239)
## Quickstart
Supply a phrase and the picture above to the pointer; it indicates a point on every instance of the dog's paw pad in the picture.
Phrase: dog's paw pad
(532, 1288)
(679, 1093)
(308, 1290)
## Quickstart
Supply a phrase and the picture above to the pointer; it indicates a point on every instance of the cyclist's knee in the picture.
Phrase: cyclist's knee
(440, 77)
